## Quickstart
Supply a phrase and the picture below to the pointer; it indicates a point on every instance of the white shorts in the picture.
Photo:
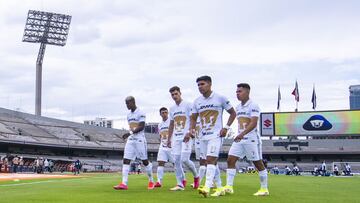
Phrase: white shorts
(250, 150)
(179, 147)
(136, 147)
(197, 149)
(210, 147)
(165, 155)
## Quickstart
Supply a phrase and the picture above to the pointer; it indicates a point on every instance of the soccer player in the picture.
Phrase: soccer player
(164, 154)
(135, 145)
(179, 126)
(202, 157)
(247, 143)
(209, 107)
(198, 155)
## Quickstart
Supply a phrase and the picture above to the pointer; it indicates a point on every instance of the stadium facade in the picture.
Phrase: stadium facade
(354, 97)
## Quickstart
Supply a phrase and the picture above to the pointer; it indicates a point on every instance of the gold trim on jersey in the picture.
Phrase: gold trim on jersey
(243, 122)
(208, 119)
(133, 125)
(179, 123)
(164, 134)
(197, 131)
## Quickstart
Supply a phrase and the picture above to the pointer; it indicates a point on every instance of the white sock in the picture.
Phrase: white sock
(230, 175)
(218, 177)
(202, 171)
(188, 163)
(149, 172)
(263, 179)
(125, 173)
(210, 173)
(160, 173)
(179, 172)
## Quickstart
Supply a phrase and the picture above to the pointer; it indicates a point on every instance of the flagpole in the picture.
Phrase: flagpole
(312, 96)
(295, 92)
(279, 99)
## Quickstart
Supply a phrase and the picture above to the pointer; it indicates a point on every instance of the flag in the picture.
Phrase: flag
(279, 98)
(313, 98)
(295, 92)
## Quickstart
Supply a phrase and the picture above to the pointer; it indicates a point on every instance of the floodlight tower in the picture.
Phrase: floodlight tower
(45, 28)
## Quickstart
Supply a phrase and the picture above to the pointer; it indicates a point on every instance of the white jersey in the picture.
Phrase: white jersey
(244, 113)
(210, 111)
(134, 119)
(164, 134)
(180, 114)
(198, 133)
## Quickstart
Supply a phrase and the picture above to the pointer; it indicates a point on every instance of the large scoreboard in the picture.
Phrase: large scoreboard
(342, 122)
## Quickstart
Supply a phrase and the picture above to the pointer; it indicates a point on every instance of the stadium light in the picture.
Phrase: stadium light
(45, 28)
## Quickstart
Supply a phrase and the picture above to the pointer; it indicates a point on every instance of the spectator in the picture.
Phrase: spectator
(265, 162)
(276, 170)
(46, 166)
(139, 168)
(51, 166)
(1, 163)
(347, 170)
(21, 164)
(296, 170)
(133, 167)
(287, 170)
(39, 163)
(15, 164)
(323, 168)
(336, 170)
(6, 164)
(35, 164)
(77, 167)
(315, 172)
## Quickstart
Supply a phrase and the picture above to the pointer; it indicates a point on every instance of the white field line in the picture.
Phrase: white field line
(49, 181)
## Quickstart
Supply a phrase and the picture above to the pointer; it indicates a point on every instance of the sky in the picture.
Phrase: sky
(142, 48)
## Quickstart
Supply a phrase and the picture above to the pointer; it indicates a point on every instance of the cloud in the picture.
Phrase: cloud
(142, 48)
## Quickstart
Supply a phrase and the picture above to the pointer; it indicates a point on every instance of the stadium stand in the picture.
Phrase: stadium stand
(101, 148)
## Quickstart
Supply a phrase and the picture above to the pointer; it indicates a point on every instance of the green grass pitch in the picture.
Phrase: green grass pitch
(98, 188)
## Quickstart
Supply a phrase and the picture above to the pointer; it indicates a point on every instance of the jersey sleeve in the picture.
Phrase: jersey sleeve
(142, 116)
(193, 108)
(254, 110)
(225, 103)
(159, 128)
(171, 114)
(189, 107)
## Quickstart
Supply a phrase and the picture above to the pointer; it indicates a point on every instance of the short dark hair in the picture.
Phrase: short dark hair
(163, 109)
(244, 85)
(175, 88)
(204, 78)
(130, 98)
